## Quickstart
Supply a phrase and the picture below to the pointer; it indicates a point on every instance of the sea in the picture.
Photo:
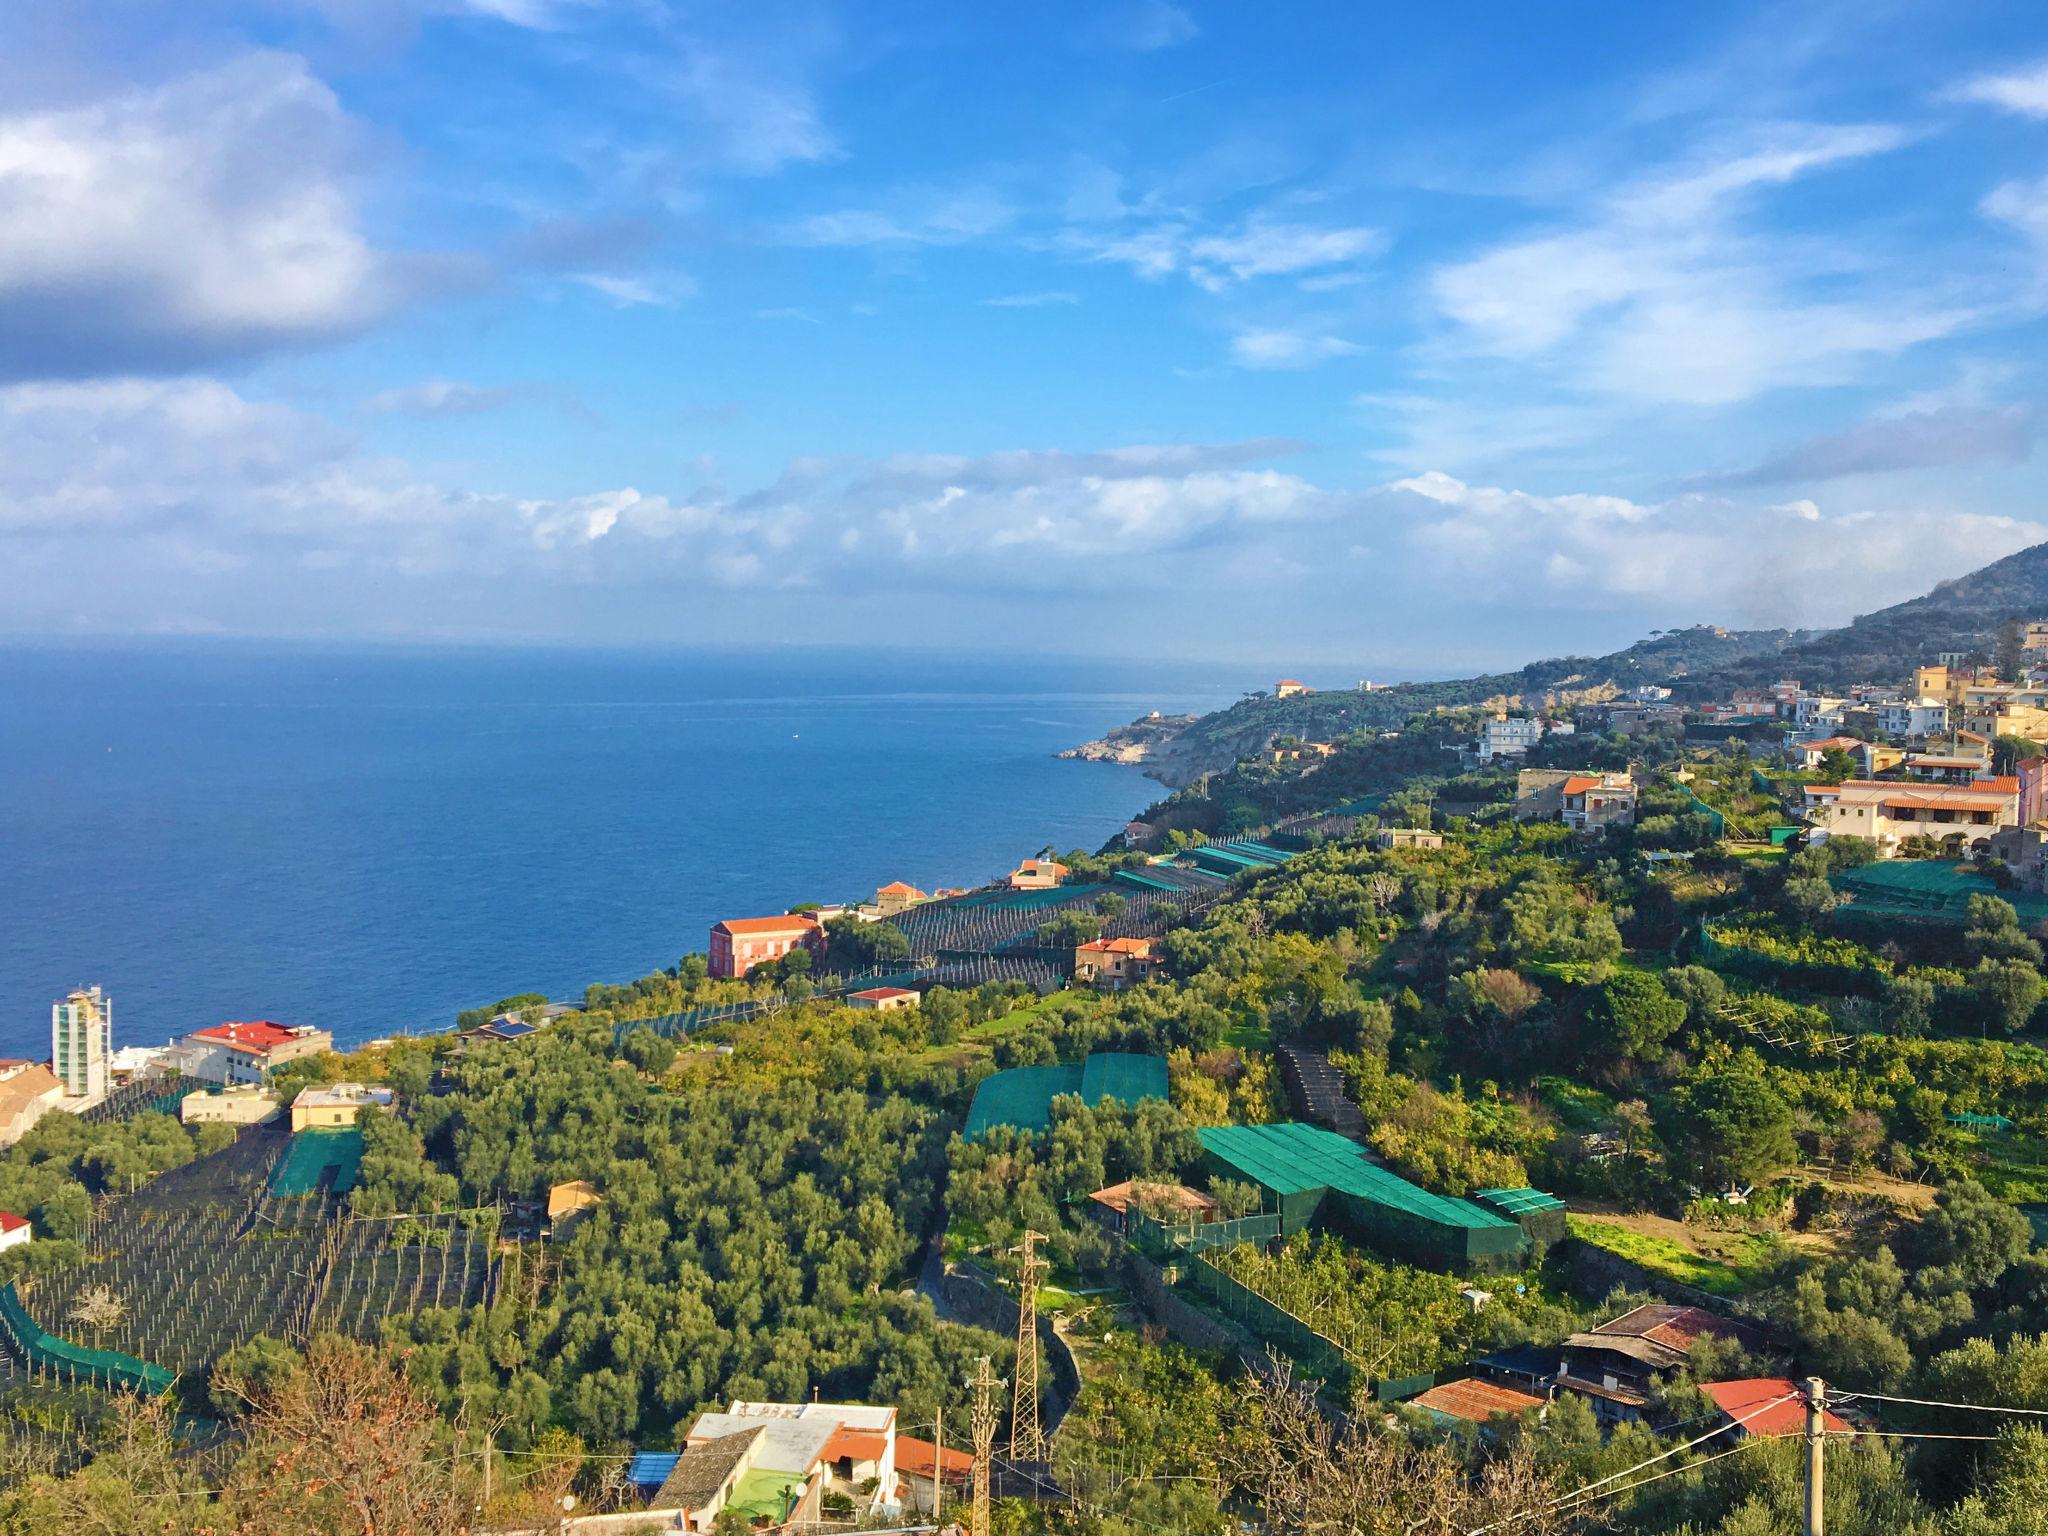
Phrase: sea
(370, 840)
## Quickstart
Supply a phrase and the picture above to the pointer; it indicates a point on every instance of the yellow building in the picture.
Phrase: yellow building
(334, 1106)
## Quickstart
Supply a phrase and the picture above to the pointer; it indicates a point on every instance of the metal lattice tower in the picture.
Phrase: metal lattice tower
(984, 1442)
(1026, 1444)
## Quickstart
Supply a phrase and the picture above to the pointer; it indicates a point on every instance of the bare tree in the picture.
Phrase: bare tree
(1312, 1478)
(344, 1443)
(98, 1307)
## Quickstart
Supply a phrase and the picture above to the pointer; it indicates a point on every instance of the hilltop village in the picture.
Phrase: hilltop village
(1561, 1112)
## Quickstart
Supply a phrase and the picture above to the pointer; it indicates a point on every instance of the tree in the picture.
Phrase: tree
(1993, 932)
(2008, 752)
(98, 1307)
(650, 1053)
(344, 1443)
(1633, 1015)
(2006, 992)
(2010, 650)
(1730, 1125)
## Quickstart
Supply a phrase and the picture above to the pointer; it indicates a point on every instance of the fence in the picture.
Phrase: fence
(44, 1351)
(1318, 1356)
(1165, 1237)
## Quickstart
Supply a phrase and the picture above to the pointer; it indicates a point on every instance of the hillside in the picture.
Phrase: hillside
(1960, 615)
(1176, 750)
(1702, 662)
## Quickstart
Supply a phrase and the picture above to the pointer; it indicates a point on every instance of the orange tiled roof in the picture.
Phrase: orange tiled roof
(1580, 784)
(899, 888)
(916, 1457)
(1117, 947)
(794, 922)
(854, 1445)
(1475, 1400)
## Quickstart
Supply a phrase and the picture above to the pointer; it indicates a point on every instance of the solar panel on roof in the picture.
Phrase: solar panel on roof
(513, 1031)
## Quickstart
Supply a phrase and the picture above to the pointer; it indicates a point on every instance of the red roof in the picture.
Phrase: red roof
(883, 994)
(854, 1445)
(1475, 1400)
(916, 1457)
(1767, 1405)
(793, 922)
(1141, 947)
(255, 1035)
(899, 888)
(1579, 784)
(9, 1222)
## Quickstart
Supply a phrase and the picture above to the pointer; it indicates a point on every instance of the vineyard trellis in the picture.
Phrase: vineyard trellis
(204, 1258)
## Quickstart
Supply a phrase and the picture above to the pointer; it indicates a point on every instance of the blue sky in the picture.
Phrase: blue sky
(1366, 337)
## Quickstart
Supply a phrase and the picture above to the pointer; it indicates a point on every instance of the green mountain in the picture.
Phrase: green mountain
(1960, 615)
(1699, 663)
(1178, 749)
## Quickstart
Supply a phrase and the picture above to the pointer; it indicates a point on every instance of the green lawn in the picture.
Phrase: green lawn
(1581, 1108)
(1250, 1035)
(1663, 1256)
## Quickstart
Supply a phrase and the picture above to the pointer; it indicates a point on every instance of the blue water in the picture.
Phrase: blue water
(372, 840)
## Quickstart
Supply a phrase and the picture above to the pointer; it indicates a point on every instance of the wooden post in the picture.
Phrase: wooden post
(1816, 1448)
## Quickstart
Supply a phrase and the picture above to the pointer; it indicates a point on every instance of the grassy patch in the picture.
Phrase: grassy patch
(1250, 1035)
(1762, 851)
(1580, 1108)
(1667, 1257)
(2012, 1165)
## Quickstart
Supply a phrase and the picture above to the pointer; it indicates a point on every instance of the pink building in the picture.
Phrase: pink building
(2033, 777)
(740, 943)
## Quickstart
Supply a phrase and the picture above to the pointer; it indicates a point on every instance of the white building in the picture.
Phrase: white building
(1912, 717)
(248, 1052)
(82, 1042)
(1508, 736)
(14, 1231)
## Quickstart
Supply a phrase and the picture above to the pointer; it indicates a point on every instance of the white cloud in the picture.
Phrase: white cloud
(445, 397)
(1286, 349)
(164, 228)
(1261, 249)
(916, 219)
(1040, 300)
(1664, 294)
(1690, 556)
(759, 118)
(2024, 90)
(634, 292)
(186, 504)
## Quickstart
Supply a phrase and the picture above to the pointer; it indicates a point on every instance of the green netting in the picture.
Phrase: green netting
(44, 1351)
(1023, 1096)
(1318, 1175)
(1143, 880)
(312, 1157)
(1030, 901)
(1970, 1120)
(1515, 1202)
(1123, 1076)
(1226, 861)
(1930, 888)
(1264, 852)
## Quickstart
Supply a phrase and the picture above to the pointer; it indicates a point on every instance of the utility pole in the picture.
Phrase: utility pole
(984, 1441)
(1026, 1444)
(1816, 1446)
(939, 1467)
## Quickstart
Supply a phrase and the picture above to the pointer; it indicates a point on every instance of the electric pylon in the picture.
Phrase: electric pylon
(1026, 1444)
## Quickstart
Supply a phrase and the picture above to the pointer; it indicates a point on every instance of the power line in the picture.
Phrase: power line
(1928, 1402)
(1591, 1488)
